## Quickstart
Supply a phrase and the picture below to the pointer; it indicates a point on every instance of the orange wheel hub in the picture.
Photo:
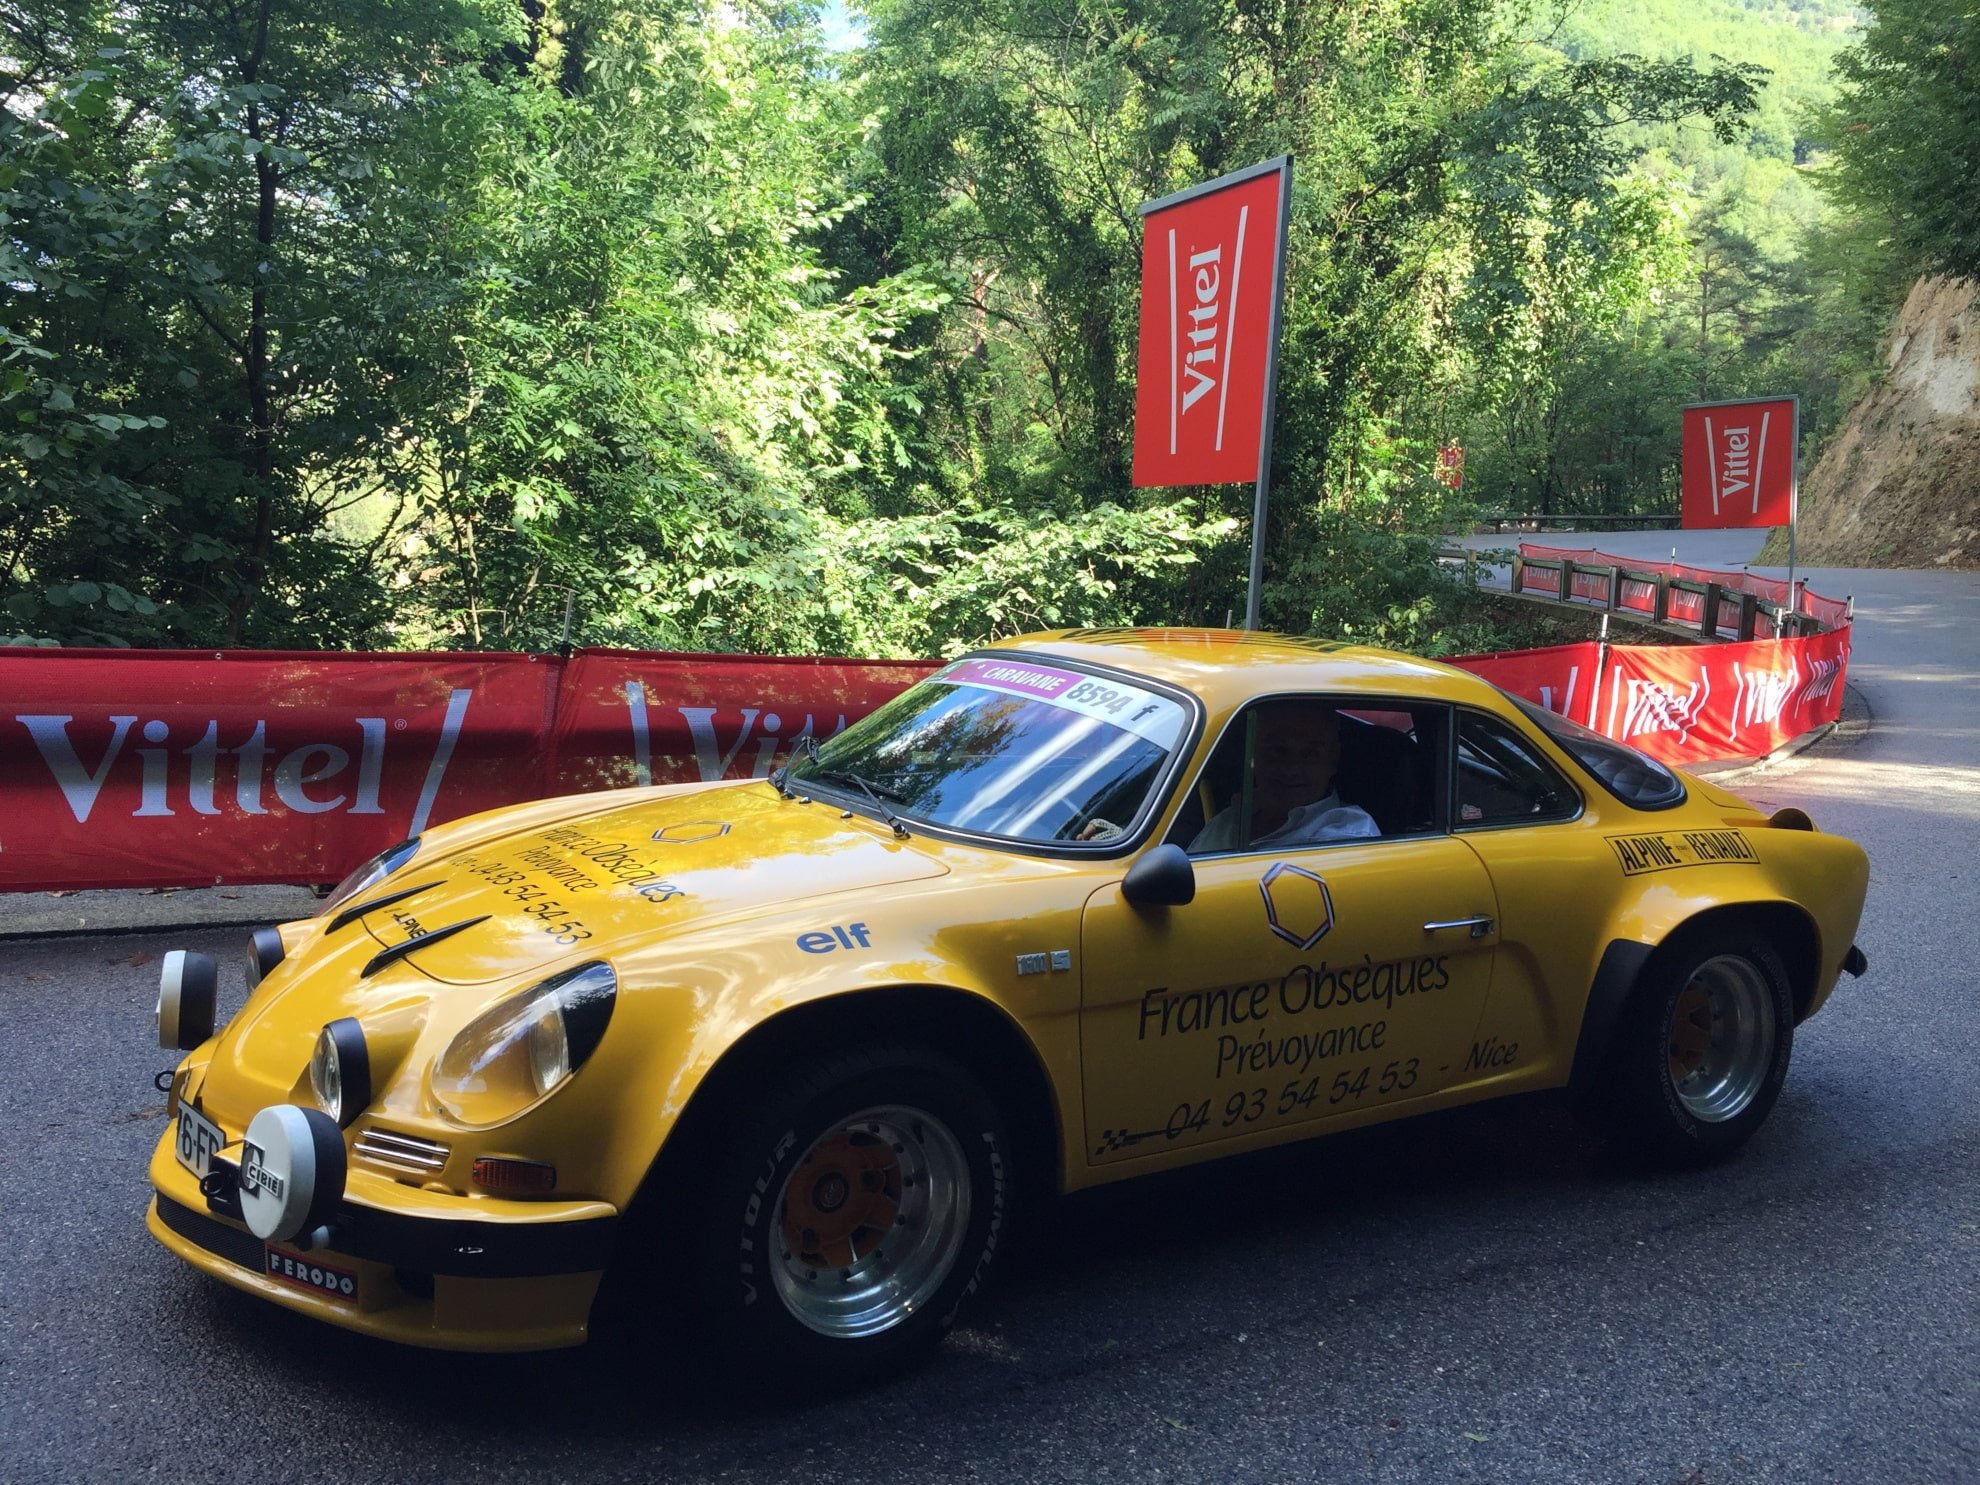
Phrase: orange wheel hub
(843, 1197)
(1691, 1033)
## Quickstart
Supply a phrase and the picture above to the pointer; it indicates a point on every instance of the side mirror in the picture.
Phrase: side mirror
(1162, 878)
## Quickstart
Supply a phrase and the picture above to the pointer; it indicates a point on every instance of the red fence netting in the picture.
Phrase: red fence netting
(174, 768)
(124, 768)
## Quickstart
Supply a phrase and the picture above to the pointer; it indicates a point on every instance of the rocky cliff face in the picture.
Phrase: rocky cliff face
(1898, 484)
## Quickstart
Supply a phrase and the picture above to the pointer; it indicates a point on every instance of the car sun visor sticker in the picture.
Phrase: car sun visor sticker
(1666, 850)
(1116, 703)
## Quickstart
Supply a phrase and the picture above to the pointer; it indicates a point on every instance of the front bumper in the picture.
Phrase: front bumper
(407, 1264)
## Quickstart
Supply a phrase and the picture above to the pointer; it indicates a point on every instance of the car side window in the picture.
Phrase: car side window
(1502, 778)
(1300, 771)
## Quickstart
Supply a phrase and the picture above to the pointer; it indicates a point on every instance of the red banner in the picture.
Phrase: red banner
(1210, 285)
(1685, 704)
(632, 717)
(143, 769)
(173, 768)
(1738, 464)
(1561, 678)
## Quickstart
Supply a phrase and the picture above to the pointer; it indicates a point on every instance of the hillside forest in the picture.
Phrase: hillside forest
(450, 323)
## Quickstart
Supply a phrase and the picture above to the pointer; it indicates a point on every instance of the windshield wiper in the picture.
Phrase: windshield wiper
(806, 743)
(878, 793)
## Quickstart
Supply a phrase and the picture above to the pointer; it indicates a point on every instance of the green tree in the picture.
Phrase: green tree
(1444, 170)
(178, 212)
(1905, 129)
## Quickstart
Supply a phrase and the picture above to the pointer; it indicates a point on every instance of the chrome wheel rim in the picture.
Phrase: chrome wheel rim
(870, 1221)
(1721, 1038)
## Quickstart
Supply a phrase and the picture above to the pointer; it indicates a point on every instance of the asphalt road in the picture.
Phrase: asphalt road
(1481, 1296)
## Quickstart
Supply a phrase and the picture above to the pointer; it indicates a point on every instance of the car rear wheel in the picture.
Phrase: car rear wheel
(1703, 1048)
(851, 1214)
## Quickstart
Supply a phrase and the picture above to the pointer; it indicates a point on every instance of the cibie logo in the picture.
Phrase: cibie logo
(1736, 459)
(1203, 305)
(256, 1178)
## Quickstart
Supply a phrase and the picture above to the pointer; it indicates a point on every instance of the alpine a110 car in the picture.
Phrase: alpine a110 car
(773, 1060)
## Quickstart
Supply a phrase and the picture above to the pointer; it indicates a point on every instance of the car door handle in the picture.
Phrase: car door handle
(1479, 926)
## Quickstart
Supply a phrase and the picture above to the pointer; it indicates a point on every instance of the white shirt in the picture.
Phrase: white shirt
(1310, 824)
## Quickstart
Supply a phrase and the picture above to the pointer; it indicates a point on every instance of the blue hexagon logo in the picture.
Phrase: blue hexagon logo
(1298, 906)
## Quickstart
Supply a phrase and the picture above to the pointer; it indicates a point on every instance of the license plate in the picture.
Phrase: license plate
(199, 1141)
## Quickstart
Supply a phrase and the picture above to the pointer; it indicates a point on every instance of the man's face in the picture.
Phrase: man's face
(1293, 760)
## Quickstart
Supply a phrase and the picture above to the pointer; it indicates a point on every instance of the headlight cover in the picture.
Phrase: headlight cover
(371, 873)
(340, 1071)
(519, 1051)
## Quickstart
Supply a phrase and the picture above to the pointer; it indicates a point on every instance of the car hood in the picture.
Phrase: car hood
(647, 869)
(599, 884)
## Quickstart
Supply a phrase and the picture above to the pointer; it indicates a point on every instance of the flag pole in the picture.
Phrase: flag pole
(1261, 497)
(1794, 517)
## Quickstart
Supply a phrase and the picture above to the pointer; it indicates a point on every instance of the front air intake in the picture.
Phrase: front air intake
(400, 1152)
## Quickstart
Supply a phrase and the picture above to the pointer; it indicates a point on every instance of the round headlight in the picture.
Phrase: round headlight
(340, 1071)
(264, 953)
(520, 1050)
(370, 874)
(188, 995)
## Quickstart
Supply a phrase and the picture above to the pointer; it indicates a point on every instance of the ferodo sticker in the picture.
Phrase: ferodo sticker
(310, 1274)
(1638, 854)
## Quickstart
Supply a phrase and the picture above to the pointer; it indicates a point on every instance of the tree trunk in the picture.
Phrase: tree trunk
(254, 365)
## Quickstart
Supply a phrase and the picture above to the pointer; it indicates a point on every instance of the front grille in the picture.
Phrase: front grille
(400, 1151)
(230, 1243)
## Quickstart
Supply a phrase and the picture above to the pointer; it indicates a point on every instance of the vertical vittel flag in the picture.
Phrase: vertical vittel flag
(1212, 276)
(1739, 463)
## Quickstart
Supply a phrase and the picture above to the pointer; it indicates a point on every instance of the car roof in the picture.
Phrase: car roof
(1228, 666)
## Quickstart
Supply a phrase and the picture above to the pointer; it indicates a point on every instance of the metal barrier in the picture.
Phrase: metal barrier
(1537, 522)
(1718, 606)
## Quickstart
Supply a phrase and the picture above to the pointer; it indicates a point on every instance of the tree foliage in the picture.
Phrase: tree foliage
(426, 323)
(1905, 126)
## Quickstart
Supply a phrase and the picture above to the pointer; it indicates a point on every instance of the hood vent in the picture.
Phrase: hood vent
(399, 951)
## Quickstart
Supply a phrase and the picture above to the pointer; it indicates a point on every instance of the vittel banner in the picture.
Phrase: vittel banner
(1738, 467)
(1211, 277)
(627, 718)
(181, 769)
(174, 768)
(1685, 704)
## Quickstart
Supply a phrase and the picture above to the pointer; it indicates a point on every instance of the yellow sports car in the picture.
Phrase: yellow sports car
(773, 1061)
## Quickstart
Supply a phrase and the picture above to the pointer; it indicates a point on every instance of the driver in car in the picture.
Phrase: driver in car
(1293, 798)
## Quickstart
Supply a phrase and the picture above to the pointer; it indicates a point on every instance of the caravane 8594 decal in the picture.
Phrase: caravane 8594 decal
(771, 1061)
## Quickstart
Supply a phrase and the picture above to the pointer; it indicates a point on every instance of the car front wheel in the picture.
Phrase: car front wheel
(853, 1212)
(1703, 1049)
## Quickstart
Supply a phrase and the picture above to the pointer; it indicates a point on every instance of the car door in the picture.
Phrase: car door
(1302, 982)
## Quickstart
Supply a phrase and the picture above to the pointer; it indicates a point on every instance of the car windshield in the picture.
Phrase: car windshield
(1633, 777)
(1011, 746)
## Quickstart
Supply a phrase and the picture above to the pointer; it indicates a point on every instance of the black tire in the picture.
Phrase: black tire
(929, 1146)
(1701, 1049)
